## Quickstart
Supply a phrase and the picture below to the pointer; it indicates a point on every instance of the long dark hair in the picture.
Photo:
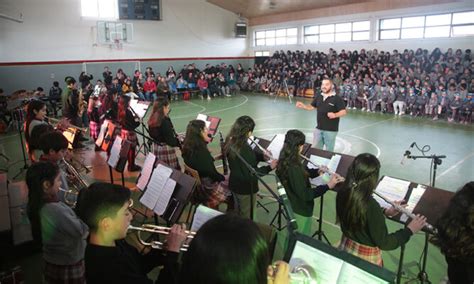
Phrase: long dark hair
(194, 140)
(37, 174)
(123, 104)
(34, 105)
(227, 249)
(157, 115)
(290, 154)
(456, 227)
(352, 198)
(237, 136)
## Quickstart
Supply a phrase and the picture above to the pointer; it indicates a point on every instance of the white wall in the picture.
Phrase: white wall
(386, 45)
(53, 30)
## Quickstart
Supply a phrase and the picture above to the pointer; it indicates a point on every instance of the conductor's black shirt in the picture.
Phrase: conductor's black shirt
(332, 104)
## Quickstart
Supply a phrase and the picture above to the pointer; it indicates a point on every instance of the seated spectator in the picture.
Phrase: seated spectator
(149, 89)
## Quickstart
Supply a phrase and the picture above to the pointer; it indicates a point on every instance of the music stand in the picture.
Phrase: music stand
(342, 168)
(185, 186)
(435, 161)
(118, 158)
(140, 109)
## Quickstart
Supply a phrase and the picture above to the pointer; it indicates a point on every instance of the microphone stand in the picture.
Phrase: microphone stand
(283, 209)
(436, 160)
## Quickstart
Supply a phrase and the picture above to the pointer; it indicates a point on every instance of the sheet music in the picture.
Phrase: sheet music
(415, 197)
(164, 196)
(146, 171)
(332, 165)
(103, 130)
(276, 145)
(115, 152)
(157, 182)
(202, 215)
(69, 137)
(393, 189)
(351, 274)
(326, 266)
(204, 117)
(139, 108)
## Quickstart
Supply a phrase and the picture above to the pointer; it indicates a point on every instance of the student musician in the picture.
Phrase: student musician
(294, 177)
(55, 225)
(231, 249)
(364, 232)
(71, 103)
(129, 122)
(197, 156)
(456, 235)
(105, 208)
(94, 118)
(162, 131)
(242, 183)
(35, 115)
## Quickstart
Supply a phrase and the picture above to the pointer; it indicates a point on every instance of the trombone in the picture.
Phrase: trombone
(153, 229)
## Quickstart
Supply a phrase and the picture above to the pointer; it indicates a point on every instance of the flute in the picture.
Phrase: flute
(321, 167)
(405, 211)
(265, 151)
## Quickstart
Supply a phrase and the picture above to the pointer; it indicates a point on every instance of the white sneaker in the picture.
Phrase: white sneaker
(227, 95)
(208, 98)
(363, 109)
(368, 110)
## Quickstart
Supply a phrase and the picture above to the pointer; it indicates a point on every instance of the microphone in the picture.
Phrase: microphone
(407, 154)
(292, 225)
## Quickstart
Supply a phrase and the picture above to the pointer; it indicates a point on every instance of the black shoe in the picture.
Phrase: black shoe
(134, 168)
(97, 148)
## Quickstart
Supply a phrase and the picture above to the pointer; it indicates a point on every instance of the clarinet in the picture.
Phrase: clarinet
(224, 157)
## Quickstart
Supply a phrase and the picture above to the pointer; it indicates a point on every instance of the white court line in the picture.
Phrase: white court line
(224, 109)
(368, 141)
(365, 126)
(193, 113)
(455, 165)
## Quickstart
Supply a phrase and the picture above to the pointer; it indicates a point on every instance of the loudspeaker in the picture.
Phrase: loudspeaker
(241, 30)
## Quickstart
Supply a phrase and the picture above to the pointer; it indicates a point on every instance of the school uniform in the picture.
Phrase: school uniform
(165, 143)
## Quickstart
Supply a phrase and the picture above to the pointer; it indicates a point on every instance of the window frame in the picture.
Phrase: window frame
(334, 32)
(98, 6)
(275, 38)
(424, 27)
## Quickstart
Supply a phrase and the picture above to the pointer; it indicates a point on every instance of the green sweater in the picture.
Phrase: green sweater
(202, 161)
(375, 233)
(299, 190)
(241, 180)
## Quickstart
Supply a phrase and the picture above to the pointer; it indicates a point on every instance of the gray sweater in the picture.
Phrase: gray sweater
(63, 233)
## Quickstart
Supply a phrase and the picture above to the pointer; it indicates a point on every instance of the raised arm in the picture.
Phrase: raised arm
(301, 105)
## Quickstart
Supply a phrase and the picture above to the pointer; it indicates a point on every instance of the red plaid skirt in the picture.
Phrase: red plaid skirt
(167, 155)
(368, 253)
(130, 136)
(94, 129)
(71, 274)
(211, 194)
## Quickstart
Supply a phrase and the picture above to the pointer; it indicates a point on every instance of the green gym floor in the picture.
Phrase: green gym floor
(384, 135)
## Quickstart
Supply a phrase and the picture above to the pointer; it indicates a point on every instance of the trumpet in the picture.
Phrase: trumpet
(153, 229)
(77, 183)
(300, 274)
(57, 121)
(265, 151)
(403, 210)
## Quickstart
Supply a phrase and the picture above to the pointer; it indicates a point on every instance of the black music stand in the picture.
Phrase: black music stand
(122, 160)
(282, 209)
(342, 168)
(185, 186)
(435, 161)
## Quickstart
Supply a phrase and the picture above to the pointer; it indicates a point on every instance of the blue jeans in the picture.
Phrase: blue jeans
(323, 137)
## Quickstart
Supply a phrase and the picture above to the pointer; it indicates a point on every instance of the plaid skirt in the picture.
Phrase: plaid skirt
(211, 193)
(94, 129)
(368, 253)
(166, 154)
(130, 136)
(71, 274)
